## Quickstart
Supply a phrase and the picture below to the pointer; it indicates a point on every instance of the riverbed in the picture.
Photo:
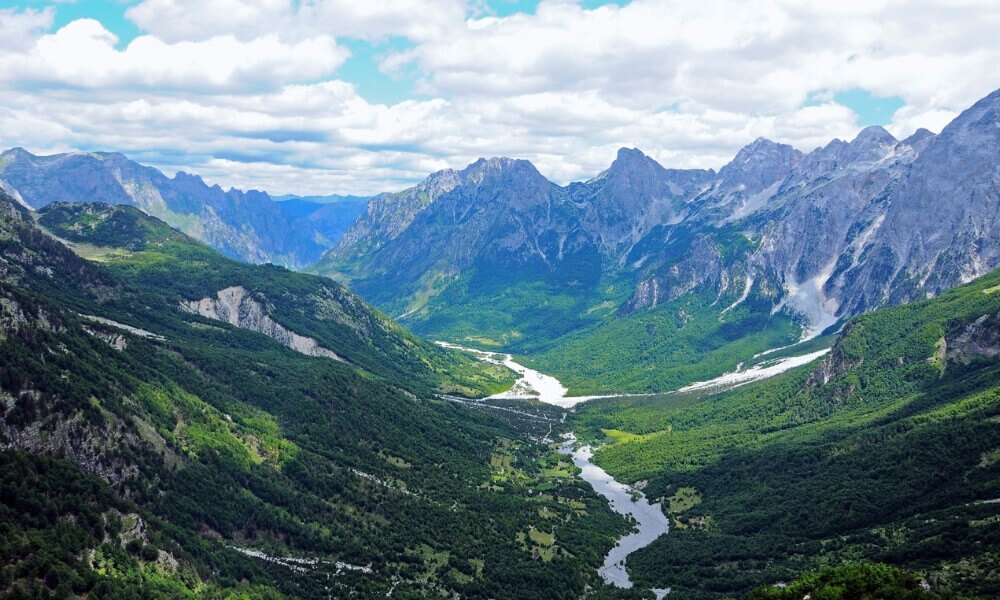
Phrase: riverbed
(532, 384)
(650, 522)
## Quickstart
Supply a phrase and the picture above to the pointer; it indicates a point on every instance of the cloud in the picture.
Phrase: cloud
(180, 20)
(19, 29)
(249, 94)
(83, 54)
(760, 57)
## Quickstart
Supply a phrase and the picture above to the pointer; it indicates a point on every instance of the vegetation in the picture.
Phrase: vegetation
(248, 469)
(880, 451)
(666, 347)
(852, 582)
(574, 331)
(155, 453)
(171, 267)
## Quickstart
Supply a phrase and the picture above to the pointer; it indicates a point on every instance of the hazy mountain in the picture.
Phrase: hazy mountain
(246, 225)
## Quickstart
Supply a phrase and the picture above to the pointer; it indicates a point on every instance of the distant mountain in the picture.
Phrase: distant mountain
(641, 269)
(246, 225)
(300, 207)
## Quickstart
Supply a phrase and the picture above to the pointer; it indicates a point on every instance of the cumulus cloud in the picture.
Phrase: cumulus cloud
(250, 93)
(734, 55)
(178, 20)
(19, 29)
(83, 54)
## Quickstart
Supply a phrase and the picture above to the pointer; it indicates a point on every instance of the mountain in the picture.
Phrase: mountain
(645, 278)
(886, 449)
(177, 424)
(246, 225)
(329, 216)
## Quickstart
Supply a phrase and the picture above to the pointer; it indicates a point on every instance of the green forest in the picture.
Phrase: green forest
(185, 457)
(885, 450)
(149, 451)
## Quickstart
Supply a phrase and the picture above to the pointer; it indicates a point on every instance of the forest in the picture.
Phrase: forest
(884, 450)
(185, 457)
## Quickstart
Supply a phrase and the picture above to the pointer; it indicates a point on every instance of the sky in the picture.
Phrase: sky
(358, 97)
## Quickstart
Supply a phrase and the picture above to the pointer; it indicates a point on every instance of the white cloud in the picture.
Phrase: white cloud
(177, 20)
(19, 29)
(246, 93)
(83, 54)
(737, 55)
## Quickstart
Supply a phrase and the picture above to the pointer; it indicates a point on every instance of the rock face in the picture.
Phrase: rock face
(824, 235)
(235, 306)
(873, 222)
(246, 225)
(501, 215)
(979, 338)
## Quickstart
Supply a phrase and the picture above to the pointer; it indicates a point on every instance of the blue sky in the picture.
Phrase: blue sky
(337, 96)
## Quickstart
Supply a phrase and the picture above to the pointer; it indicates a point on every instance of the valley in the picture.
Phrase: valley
(223, 461)
(650, 522)
(499, 300)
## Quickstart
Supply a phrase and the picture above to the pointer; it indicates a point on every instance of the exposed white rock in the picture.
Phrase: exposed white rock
(124, 327)
(235, 306)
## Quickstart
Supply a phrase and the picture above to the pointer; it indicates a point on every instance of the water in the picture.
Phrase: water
(650, 522)
(532, 384)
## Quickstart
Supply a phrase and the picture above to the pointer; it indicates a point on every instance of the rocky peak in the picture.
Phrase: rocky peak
(976, 127)
(871, 144)
(874, 135)
(971, 143)
(440, 182)
(185, 178)
(631, 163)
(17, 153)
(759, 165)
(499, 168)
(919, 140)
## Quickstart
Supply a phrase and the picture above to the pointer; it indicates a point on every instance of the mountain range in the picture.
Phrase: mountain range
(180, 424)
(177, 424)
(248, 225)
(776, 246)
(640, 279)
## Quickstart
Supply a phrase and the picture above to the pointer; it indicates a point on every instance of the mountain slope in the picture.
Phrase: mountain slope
(223, 459)
(685, 273)
(887, 450)
(196, 279)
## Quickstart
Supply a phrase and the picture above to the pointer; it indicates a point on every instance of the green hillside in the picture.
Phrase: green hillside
(887, 449)
(149, 451)
(573, 328)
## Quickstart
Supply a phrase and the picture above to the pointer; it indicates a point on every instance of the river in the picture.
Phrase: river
(650, 522)
(532, 384)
